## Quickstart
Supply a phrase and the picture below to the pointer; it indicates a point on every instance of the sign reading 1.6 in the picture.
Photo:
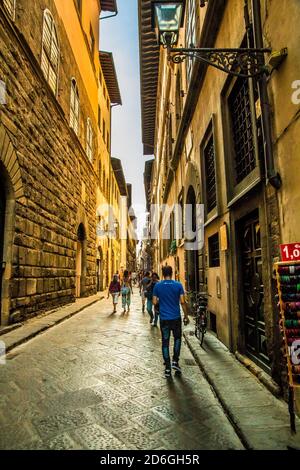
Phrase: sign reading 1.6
(290, 252)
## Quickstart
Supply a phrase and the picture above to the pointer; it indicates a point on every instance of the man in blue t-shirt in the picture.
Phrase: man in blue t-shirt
(170, 295)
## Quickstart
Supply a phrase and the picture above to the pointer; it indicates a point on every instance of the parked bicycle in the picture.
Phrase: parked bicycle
(198, 303)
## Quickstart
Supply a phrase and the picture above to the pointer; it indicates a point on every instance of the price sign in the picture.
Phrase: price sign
(290, 252)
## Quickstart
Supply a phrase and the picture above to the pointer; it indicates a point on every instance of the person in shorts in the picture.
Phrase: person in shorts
(114, 290)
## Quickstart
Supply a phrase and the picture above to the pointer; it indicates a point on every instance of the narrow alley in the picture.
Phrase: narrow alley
(96, 382)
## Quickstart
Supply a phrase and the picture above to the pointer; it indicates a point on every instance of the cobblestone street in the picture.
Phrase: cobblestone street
(96, 382)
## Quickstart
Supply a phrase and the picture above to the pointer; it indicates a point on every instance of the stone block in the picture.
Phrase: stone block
(31, 286)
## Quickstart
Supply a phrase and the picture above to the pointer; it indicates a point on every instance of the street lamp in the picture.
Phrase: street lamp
(167, 19)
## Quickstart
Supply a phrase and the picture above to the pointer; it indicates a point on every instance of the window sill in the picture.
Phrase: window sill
(244, 187)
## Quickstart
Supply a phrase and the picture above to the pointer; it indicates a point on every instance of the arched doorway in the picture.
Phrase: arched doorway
(100, 270)
(191, 242)
(80, 261)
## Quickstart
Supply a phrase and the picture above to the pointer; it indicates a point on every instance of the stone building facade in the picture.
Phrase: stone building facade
(208, 132)
(49, 153)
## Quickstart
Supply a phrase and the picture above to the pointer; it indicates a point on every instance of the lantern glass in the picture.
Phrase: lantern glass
(168, 18)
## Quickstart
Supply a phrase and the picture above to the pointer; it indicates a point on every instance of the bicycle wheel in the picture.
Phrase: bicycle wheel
(202, 333)
(197, 328)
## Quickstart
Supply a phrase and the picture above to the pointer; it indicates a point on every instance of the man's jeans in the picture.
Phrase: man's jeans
(153, 316)
(168, 326)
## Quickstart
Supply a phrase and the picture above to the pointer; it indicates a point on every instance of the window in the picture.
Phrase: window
(103, 129)
(78, 4)
(242, 129)
(74, 107)
(89, 140)
(10, 6)
(190, 38)
(214, 251)
(107, 140)
(99, 117)
(100, 172)
(103, 184)
(181, 215)
(178, 99)
(210, 175)
(107, 103)
(100, 78)
(104, 91)
(92, 41)
(50, 52)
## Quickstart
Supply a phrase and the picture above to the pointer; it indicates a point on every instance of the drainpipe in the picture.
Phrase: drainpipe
(109, 16)
(272, 176)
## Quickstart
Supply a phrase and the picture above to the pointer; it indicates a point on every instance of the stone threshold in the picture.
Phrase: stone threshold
(25, 331)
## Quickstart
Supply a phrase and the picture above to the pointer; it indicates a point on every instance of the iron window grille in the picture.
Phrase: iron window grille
(10, 6)
(190, 38)
(242, 129)
(89, 140)
(50, 51)
(74, 107)
(210, 175)
(214, 251)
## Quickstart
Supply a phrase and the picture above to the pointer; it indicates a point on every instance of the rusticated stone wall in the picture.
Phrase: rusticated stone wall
(51, 183)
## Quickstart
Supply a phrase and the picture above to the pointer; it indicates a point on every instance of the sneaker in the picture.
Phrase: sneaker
(167, 372)
(176, 367)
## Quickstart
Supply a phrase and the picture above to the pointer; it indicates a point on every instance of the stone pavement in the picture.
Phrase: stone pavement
(96, 381)
(261, 420)
(32, 327)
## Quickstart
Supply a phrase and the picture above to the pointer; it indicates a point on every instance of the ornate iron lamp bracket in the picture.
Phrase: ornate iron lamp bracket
(244, 63)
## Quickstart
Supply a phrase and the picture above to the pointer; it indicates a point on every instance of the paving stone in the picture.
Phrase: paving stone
(87, 385)
(51, 425)
(94, 437)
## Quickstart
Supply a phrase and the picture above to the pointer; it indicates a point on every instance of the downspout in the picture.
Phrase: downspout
(109, 16)
(272, 176)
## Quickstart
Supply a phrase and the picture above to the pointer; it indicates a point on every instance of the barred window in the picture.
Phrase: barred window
(214, 251)
(190, 38)
(74, 107)
(89, 140)
(50, 51)
(242, 130)
(210, 175)
(10, 6)
(78, 4)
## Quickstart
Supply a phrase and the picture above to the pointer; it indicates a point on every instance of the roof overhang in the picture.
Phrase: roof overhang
(149, 64)
(109, 5)
(119, 174)
(110, 77)
(147, 181)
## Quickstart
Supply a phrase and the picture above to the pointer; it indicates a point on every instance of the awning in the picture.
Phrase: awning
(110, 76)
(109, 5)
(149, 62)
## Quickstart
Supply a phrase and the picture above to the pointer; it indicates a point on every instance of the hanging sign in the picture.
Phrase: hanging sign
(290, 252)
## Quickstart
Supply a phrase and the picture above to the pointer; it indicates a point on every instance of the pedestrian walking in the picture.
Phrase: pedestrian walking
(126, 291)
(169, 295)
(149, 296)
(143, 286)
(114, 290)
